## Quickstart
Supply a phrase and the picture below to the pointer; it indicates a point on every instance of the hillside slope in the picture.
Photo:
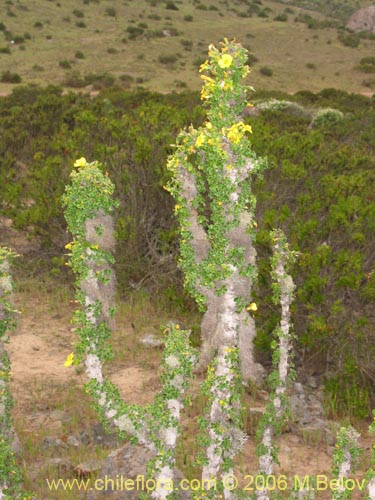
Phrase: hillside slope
(160, 44)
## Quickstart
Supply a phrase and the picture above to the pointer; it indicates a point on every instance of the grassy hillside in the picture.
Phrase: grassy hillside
(160, 44)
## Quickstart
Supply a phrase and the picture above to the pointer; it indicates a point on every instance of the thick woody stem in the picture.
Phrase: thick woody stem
(221, 428)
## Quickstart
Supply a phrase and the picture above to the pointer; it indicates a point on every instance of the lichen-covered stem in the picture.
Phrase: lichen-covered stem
(345, 458)
(223, 412)
(283, 293)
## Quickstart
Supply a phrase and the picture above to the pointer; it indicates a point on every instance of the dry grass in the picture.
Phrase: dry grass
(284, 46)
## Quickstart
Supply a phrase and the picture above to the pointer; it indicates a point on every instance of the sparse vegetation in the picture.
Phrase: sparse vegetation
(9, 77)
(266, 71)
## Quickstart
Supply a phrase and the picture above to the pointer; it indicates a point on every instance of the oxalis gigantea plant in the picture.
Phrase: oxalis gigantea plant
(89, 208)
(10, 476)
(211, 182)
(276, 414)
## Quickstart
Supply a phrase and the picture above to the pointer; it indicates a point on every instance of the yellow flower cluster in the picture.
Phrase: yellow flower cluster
(236, 132)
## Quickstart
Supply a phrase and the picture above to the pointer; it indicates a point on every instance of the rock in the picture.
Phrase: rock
(312, 382)
(60, 415)
(362, 20)
(73, 441)
(250, 111)
(151, 340)
(87, 468)
(15, 441)
(318, 432)
(100, 436)
(62, 464)
(84, 437)
(128, 463)
(53, 442)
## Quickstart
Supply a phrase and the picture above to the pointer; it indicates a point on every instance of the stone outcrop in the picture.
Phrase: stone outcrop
(362, 20)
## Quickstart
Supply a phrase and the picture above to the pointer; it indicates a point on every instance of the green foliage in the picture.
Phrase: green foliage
(349, 39)
(327, 117)
(318, 190)
(347, 395)
(9, 77)
(110, 11)
(367, 64)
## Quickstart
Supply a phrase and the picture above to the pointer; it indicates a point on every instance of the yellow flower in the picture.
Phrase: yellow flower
(225, 61)
(204, 66)
(177, 327)
(205, 94)
(252, 307)
(69, 360)
(236, 132)
(209, 125)
(68, 246)
(208, 79)
(81, 162)
(200, 140)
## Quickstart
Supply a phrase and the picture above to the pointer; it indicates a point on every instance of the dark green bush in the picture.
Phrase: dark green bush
(266, 71)
(110, 11)
(168, 59)
(281, 17)
(134, 32)
(78, 13)
(9, 77)
(187, 44)
(171, 5)
(367, 64)
(5, 50)
(65, 64)
(79, 55)
(349, 39)
(188, 18)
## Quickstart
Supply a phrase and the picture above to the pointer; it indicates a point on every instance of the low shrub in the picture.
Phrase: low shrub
(110, 11)
(78, 13)
(327, 117)
(367, 64)
(187, 44)
(171, 5)
(9, 77)
(281, 17)
(266, 71)
(349, 39)
(65, 64)
(168, 59)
